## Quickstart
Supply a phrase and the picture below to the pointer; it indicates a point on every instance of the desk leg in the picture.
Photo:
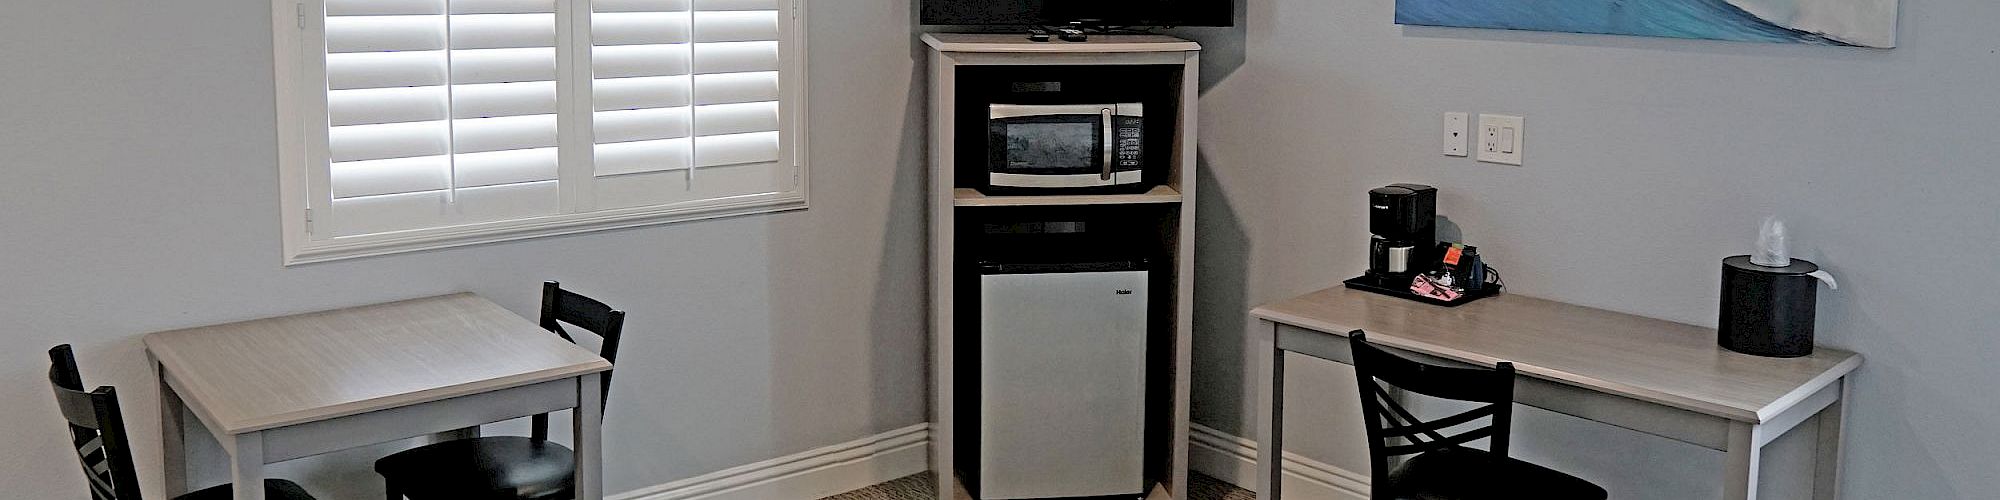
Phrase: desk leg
(1271, 428)
(173, 436)
(246, 465)
(1741, 461)
(589, 418)
(1826, 458)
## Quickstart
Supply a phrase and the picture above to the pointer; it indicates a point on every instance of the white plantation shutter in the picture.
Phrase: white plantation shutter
(439, 112)
(686, 101)
(455, 113)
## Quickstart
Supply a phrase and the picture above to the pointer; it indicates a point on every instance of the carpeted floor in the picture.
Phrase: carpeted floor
(1202, 487)
(921, 487)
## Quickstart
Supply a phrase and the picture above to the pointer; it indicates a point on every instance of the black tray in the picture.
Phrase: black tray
(1370, 284)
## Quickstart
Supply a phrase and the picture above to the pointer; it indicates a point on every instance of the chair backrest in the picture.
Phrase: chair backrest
(563, 306)
(1388, 420)
(96, 429)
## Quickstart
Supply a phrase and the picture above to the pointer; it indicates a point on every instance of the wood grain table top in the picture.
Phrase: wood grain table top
(1654, 360)
(267, 373)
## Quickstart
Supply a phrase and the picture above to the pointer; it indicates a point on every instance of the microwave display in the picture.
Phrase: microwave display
(1066, 146)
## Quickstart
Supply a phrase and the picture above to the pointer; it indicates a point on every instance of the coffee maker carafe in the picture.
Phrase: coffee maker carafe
(1403, 218)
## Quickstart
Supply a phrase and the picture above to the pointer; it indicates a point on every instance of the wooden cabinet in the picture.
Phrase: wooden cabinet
(1173, 222)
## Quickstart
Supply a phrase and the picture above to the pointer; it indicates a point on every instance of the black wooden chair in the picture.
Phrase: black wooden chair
(1442, 467)
(97, 431)
(507, 467)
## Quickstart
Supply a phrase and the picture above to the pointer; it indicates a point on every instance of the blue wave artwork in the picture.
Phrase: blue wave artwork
(1860, 23)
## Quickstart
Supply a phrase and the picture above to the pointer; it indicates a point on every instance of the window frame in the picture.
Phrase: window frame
(304, 176)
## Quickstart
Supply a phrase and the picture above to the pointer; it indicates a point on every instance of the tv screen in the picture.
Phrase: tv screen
(1091, 12)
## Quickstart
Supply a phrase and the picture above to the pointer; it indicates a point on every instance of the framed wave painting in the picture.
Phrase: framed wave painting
(1854, 23)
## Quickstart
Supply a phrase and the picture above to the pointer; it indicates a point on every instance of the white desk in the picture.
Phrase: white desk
(283, 388)
(1653, 376)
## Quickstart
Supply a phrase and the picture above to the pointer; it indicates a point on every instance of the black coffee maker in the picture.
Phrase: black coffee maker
(1403, 218)
(1405, 259)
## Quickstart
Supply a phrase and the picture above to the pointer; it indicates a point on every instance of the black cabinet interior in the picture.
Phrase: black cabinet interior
(1140, 230)
(1155, 86)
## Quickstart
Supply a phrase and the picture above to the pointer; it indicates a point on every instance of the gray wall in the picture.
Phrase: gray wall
(141, 195)
(1648, 161)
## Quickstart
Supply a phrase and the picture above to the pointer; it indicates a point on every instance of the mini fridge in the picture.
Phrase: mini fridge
(1062, 380)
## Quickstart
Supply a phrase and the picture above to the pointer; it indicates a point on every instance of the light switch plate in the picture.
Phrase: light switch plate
(1500, 139)
(1454, 134)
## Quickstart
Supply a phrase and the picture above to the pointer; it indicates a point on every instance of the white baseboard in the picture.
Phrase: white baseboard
(876, 459)
(809, 475)
(1233, 459)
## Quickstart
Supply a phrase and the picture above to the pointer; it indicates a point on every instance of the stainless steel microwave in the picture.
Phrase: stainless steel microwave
(1066, 146)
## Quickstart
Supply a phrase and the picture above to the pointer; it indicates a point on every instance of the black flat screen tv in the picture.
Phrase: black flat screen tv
(1102, 13)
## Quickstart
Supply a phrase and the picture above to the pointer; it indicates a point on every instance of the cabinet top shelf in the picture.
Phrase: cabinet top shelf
(1018, 43)
(967, 197)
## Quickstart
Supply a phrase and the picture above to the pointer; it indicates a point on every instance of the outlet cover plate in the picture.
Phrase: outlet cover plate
(1454, 134)
(1500, 139)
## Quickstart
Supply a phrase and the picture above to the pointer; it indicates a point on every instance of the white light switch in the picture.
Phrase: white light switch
(1454, 134)
(1500, 139)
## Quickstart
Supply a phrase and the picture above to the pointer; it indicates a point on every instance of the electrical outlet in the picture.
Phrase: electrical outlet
(1500, 139)
(1454, 134)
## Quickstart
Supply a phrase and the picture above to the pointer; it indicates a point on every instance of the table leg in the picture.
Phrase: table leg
(246, 465)
(1826, 458)
(589, 421)
(173, 436)
(1271, 428)
(1741, 461)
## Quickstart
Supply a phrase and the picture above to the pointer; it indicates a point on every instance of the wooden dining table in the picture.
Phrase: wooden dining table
(278, 389)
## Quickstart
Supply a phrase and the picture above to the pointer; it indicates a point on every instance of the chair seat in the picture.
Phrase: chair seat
(488, 467)
(274, 489)
(1461, 473)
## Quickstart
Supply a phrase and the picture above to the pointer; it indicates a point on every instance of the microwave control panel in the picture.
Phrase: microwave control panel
(1131, 141)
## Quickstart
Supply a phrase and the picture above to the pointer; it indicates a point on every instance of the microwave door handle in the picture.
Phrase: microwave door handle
(1108, 118)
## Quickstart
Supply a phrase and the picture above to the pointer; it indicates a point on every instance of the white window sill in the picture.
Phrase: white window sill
(355, 247)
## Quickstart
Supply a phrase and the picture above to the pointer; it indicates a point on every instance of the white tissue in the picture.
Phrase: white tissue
(1773, 247)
